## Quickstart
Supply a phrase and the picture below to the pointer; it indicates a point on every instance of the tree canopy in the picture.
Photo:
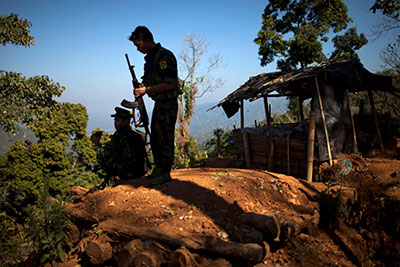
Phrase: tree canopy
(23, 100)
(15, 30)
(295, 29)
(347, 44)
(389, 8)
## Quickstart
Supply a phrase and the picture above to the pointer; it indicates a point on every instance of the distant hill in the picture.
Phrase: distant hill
(201, 127)
(204, 122)
(7, 139)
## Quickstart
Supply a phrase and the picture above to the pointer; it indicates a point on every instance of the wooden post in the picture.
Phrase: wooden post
(241, 114)
(271, 146)
(310, 146)
(378, 131)
(355, 148)
(288, 153)
(301, 111)
(269, 113)
(246, 147)
(218, 133)
(328, 146)
(266, 107)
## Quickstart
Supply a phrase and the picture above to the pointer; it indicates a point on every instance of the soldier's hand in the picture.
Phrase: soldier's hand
(139, 91)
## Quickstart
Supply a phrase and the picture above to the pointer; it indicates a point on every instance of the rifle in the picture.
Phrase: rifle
(138, 103)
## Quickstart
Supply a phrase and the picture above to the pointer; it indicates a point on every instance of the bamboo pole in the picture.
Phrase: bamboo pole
(241, 114)
(378, 131)
(310, 146)
(355, 148)
(266, 107)
(247, 151)
(328, 146)
(301, 111)
(269, 113)
(218, 133)
(271, 146)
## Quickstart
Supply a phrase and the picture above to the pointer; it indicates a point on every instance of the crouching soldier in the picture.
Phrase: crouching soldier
(123, 158)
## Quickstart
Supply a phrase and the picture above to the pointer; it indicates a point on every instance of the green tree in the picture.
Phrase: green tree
(32, 172)
(192, 157)
(23, 100)
(23, 166)
(15, 30)
(347, 44)
(390, 8)
(221, 144)
(295, 30)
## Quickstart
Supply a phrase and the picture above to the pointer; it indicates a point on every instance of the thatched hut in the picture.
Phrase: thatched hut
(328, 86)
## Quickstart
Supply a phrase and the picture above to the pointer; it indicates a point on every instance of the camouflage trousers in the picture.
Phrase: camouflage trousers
(162, 135)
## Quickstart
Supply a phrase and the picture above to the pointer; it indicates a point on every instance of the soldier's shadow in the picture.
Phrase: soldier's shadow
(225, 214)
(206, 200)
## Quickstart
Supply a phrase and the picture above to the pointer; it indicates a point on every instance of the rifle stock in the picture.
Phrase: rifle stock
(139, 103)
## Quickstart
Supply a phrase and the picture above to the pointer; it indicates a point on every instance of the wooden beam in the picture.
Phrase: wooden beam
(328, 146)
(378, 131)
(355, 146)
(310, 146)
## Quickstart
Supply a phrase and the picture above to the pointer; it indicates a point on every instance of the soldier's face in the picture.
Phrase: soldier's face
(119, 123)
(142, 46)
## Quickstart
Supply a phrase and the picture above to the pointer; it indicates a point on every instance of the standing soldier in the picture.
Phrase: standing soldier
(160, 81)
(124, 156)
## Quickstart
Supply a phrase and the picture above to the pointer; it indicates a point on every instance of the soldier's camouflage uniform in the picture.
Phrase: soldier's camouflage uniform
(161, 67)
(124, 155)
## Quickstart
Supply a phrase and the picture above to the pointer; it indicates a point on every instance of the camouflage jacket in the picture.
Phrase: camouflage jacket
(124, 155)
(161, 67)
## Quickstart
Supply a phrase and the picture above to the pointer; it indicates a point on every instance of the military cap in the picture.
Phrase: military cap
(122, 113)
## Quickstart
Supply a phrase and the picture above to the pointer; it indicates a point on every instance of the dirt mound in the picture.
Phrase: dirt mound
(227, 217)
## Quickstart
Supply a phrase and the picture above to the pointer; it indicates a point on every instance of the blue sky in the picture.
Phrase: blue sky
(81, 44)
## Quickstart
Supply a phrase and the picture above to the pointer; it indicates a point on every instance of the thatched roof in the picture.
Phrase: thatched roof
(349, 75)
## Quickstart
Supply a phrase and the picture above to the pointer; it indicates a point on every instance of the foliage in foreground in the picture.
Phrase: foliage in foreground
(221, 144)
(189, 155)
(46, 228)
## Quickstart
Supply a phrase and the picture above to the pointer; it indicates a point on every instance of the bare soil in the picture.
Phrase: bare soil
(353, 223)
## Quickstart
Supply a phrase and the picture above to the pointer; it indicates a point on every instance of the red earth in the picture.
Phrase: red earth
(353, 222)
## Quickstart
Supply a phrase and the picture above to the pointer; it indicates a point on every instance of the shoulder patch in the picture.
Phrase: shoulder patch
(163, 64)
